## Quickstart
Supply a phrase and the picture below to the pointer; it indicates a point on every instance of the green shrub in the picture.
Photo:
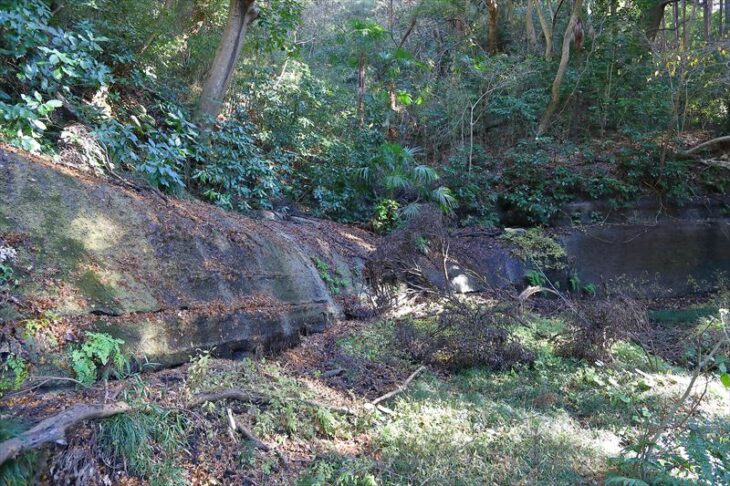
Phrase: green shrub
(13, 372)
(536, 247)
(99, 356)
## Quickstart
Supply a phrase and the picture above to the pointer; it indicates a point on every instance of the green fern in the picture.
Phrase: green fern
(100, 353)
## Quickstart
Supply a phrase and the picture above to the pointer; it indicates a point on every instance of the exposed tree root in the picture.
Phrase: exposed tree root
(53, 429)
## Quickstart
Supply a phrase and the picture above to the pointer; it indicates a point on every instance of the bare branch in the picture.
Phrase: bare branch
(53, 429)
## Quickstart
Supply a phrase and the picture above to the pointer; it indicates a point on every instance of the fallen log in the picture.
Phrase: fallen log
(53, 429)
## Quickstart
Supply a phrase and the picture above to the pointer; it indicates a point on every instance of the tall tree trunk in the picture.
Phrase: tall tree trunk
(529, 25)
(240, 15)
(493, 34)
(653, 18)
(727, 13)
(707, 19)
(545, 31)
(361, 89)
(564, 59)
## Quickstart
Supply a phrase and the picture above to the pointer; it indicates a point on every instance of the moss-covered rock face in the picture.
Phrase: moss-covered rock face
(169, 277)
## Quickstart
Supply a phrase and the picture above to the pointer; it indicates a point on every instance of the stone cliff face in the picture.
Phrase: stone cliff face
(169, 277)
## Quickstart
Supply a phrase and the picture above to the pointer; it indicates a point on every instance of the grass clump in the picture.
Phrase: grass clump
(145, 443)
(19, 471)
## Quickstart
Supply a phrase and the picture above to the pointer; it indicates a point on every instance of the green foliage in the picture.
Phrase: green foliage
(338, 471)
(536, 278)
(99, 355)
(19, 471)
(394, 173)
(386, 217)
(6, 273)
(236, 173)
(37, 61)
(13, 372)
(335, 283)
(537, 248)
(146, 442)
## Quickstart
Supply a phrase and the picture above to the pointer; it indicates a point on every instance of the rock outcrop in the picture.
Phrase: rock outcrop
(168, 277)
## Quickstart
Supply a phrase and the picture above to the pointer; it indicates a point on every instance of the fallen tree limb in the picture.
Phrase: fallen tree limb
(725, 164)
(229, 394)
(258, 443)
(725, 138)
(400, 389)
(53, 429)
(258, 399)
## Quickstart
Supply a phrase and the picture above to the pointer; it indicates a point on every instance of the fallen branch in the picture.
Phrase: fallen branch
(535, 289)
(725, 138)
(53, 429)
(257, 443)
(725, 164)
(42, 381)
(229, 394)
(258, 399)
(400, 389)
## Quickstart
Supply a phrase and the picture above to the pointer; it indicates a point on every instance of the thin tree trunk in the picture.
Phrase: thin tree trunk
(240, 15)
(675, 16)
(727, 13)
(529, 25)
(685, 31)
(707, 19)
(361, 89)
(493, 38)
(545, 31)
(564, 59)
(390, 15)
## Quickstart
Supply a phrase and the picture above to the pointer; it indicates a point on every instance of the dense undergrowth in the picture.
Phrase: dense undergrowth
(551, 419)
(119, 96)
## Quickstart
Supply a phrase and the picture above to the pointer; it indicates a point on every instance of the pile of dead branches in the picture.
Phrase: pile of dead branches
(415, 255)
(466, 335)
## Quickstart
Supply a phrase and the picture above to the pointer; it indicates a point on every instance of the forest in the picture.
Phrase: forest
(365, 242)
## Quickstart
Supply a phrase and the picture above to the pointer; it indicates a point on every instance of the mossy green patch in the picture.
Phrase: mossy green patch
(681, 316)
(93, 289)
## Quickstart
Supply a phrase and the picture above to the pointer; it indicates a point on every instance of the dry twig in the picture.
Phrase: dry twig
(400, 389)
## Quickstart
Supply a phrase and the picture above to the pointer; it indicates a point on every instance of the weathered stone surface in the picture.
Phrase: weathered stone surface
(667, 258)
(662, 258)
(170, 277)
